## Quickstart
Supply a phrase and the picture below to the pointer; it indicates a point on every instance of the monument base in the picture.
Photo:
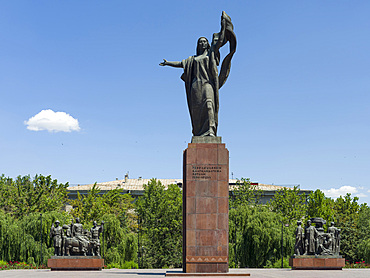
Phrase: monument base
(206, 206)
(75, 263)
(309, 263)
(206, 139)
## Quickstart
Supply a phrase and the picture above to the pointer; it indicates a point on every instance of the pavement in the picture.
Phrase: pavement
(158, 273)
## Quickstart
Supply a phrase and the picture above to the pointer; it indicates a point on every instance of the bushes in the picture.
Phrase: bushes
(277, 263)
(17, 265)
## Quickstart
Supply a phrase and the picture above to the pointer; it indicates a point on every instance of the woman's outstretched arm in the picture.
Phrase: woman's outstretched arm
(171, 64)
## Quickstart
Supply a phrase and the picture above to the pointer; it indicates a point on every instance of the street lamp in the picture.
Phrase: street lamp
(41, 239)
(282, 242)
(138, 242)
(235, 232)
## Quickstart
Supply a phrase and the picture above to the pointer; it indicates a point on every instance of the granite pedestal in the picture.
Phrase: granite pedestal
(312, 262)
(75, 263)
(206, 207)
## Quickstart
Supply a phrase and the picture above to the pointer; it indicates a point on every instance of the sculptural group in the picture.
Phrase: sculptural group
(74, 240)
(312, 240)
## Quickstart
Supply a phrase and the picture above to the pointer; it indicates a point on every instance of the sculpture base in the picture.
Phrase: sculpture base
(206, 208)
(75, 263)
(206, 139)
(317, 263)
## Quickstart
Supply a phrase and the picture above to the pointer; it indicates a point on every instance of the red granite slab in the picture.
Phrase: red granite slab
(206, 208)
(316, 263)
(75, 263)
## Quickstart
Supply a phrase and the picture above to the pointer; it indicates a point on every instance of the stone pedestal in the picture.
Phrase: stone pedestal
(75, 263)
(312, 262)
(206, 208)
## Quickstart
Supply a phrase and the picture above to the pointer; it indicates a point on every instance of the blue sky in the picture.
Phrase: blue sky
(295, 109)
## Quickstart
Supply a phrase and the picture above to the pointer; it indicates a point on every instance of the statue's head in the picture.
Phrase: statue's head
(77, 220)
(299, 222)
(57, 222)
(202, 44)
(332, 223)
(94, 223)
(309, 222)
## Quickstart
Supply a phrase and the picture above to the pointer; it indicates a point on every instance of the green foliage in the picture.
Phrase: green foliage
(360, 264)
(290, 204)
(17, 265)
(160, 216)
(112, 265)
(347, 211)
(254, 229)
(320, 206)
(25, 195)
(364, 250)
(120, 246)
(129, 265)
(94, 205)
(277, 263)
(258, 236)
(20, 239)
(245, 193)
(2, 263)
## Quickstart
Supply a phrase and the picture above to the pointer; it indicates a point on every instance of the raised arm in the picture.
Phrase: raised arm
(221, 34)
(171, 64)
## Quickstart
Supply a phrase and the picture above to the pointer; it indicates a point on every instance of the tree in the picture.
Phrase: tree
(94, 205)
(120, 246)
(258, 236)
(289, 203)
(24, 195)
(20, 238)
(160, 228)
(320, 206)
(245, 193)
(346, 217)
(364, 228)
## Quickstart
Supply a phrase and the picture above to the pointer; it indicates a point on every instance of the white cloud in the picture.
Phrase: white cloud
(52, 122)
(343, 190)
(361, 195)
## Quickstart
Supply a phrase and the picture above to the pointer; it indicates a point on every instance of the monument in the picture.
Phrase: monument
(206, 160)
(315, 249)
(76, 248)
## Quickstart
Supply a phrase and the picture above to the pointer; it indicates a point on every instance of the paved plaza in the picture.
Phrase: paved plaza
(157, 273)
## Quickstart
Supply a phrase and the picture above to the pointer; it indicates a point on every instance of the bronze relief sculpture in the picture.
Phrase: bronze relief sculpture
(316, 242)
(74, 240)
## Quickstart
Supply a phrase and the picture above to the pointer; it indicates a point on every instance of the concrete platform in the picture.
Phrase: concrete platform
(159, 273)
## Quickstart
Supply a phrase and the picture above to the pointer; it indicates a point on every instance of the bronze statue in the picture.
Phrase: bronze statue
(335, 238)
(299, 239)
(202, 81)
(78, 233)
(310, 236)
(56, 233)
(95, 232)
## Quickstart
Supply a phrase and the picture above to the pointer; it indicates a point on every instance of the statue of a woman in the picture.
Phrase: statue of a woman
(202, 80)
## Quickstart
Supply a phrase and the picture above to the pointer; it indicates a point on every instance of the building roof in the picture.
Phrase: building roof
(138, 185)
